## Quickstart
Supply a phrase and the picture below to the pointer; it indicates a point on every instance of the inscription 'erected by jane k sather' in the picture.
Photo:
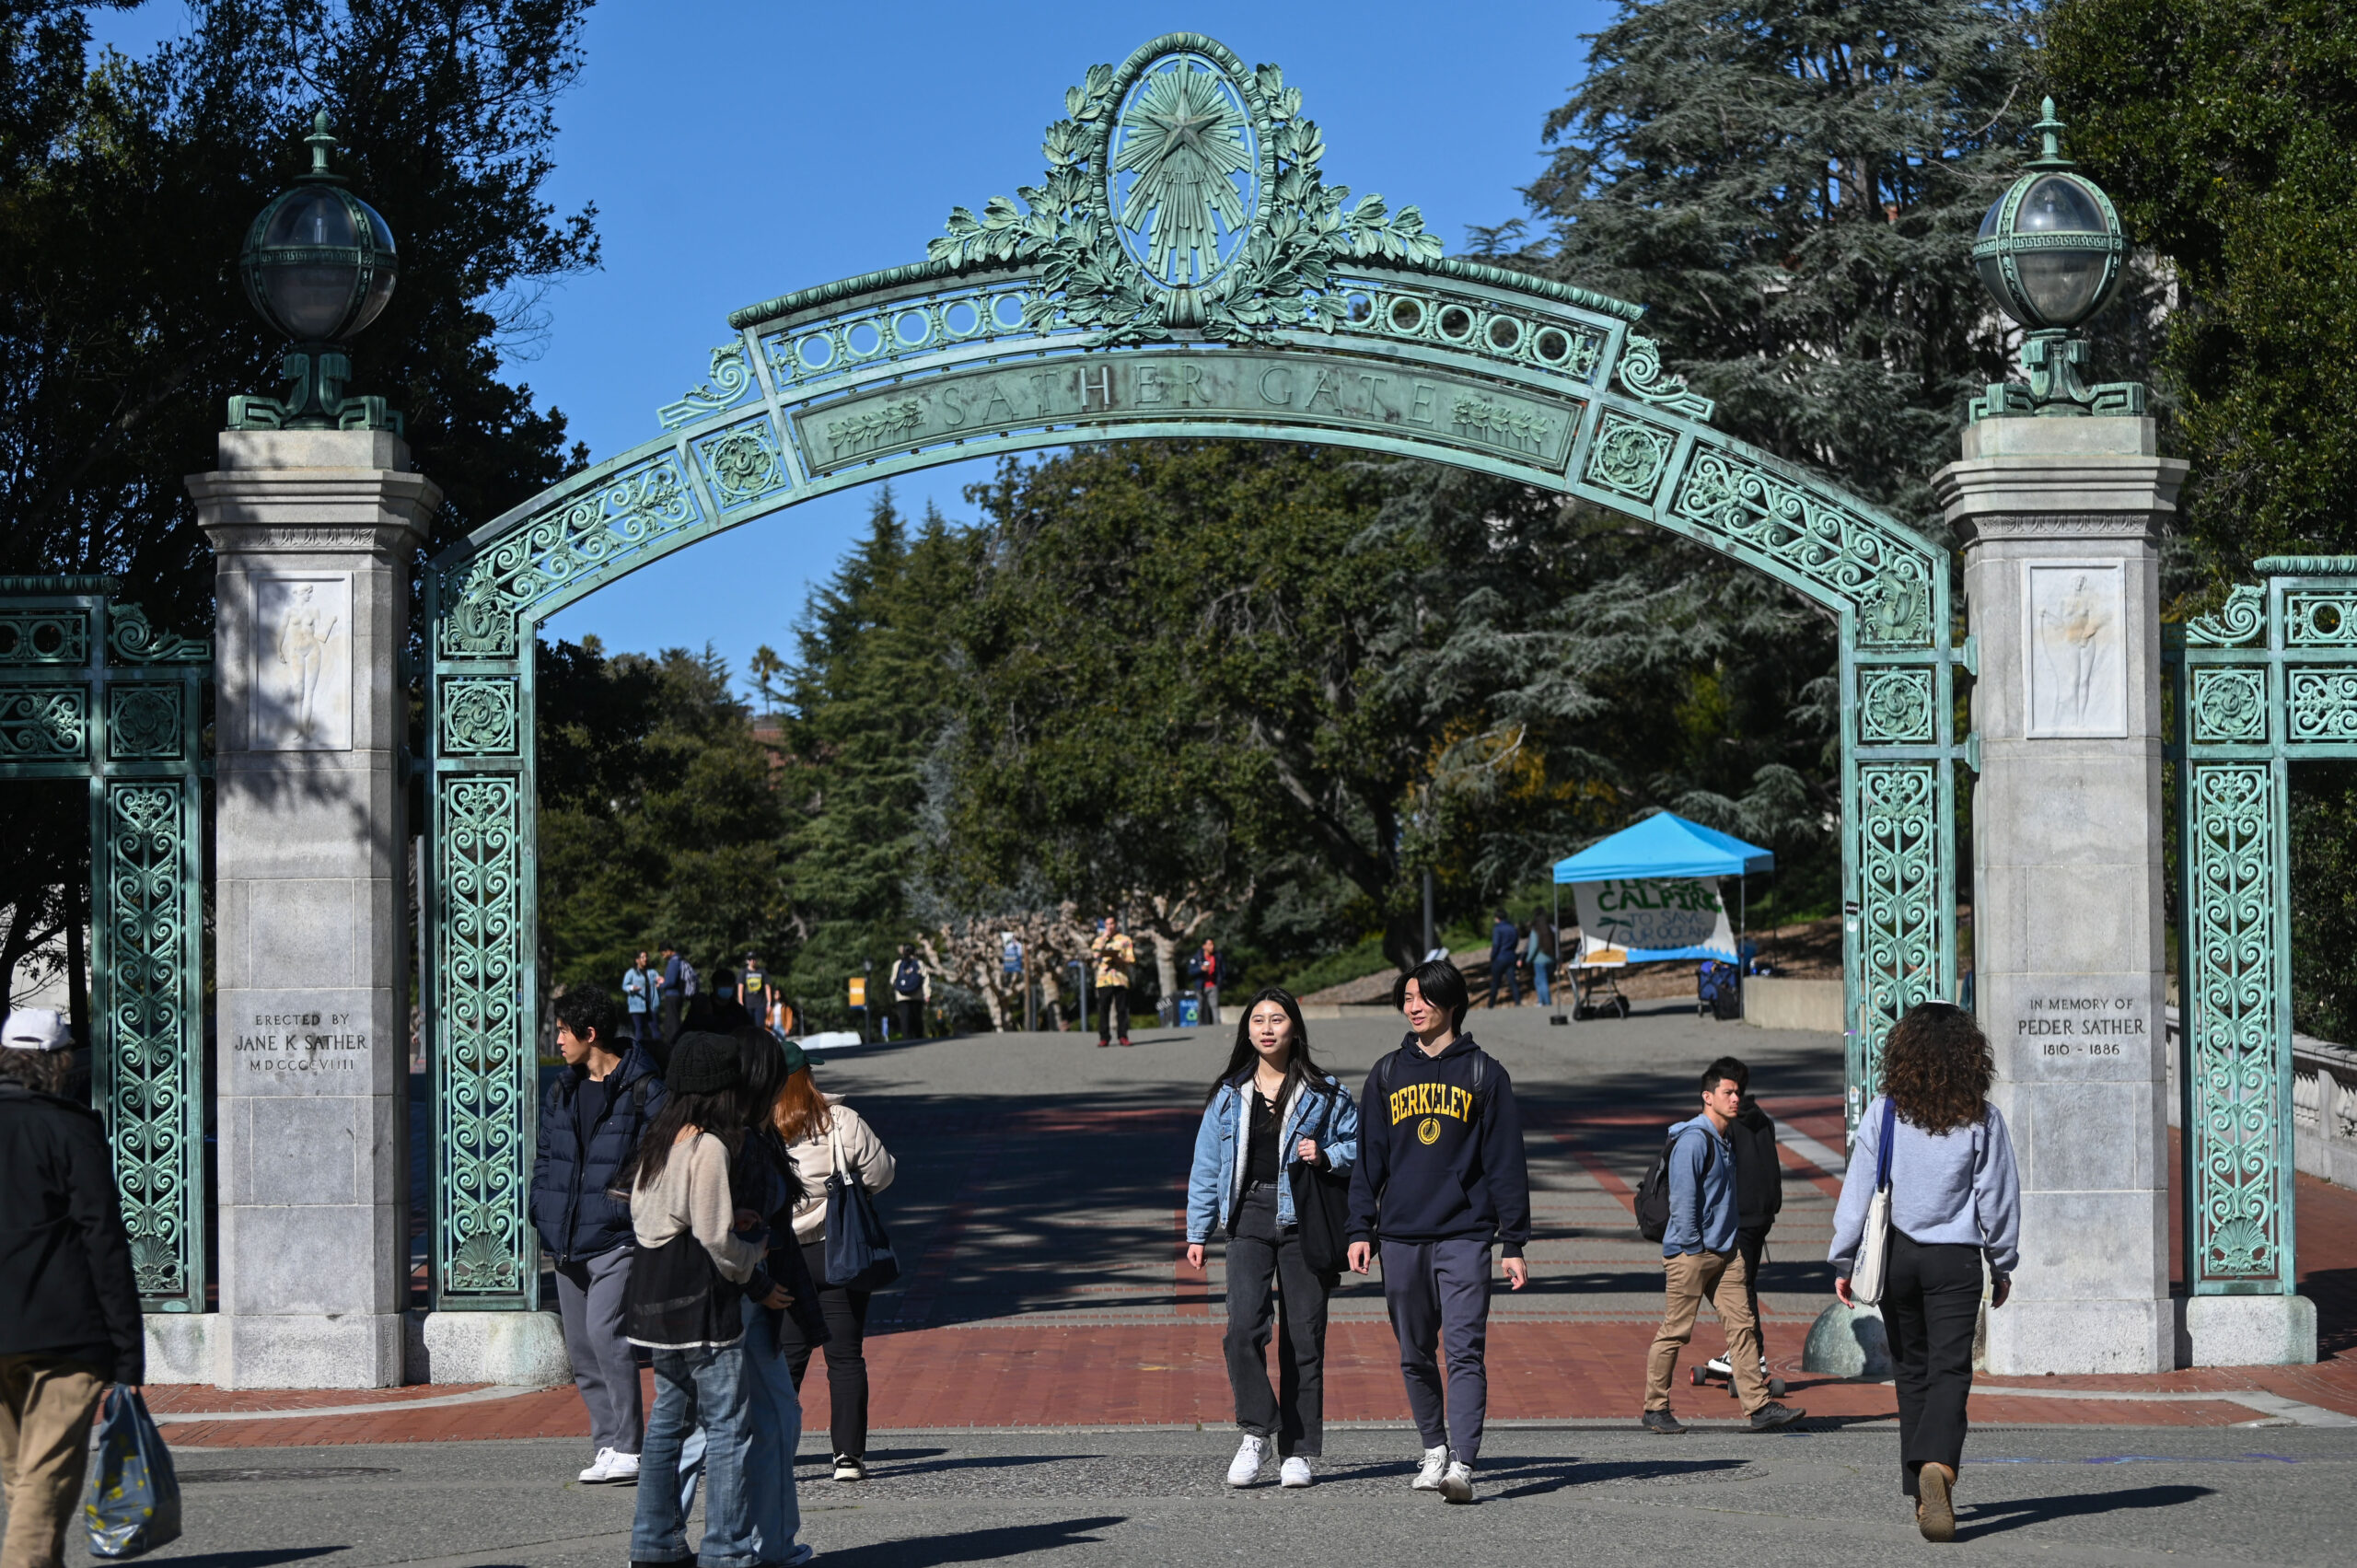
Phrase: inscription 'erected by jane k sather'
(2084, 1025)
(301, 1041)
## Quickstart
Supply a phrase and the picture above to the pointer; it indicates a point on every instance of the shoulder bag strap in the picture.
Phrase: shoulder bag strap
(1882, 1155)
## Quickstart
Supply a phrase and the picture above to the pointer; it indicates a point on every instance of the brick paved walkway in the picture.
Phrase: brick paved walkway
(1037, 1199)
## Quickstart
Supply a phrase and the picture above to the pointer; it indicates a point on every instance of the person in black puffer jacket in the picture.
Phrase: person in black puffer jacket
(589, 1128)
(69, 1306)
(1758, 1187)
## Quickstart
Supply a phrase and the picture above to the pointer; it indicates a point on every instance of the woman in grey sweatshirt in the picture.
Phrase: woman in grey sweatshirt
(1955, 1201)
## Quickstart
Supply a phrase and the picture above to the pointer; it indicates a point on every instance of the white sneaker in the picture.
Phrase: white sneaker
(597, 1474)
(1251, 1455)
(1717, 1366)
(1295, 1473)
(621, 1469)
(1436, 1466)
(1457, 1486)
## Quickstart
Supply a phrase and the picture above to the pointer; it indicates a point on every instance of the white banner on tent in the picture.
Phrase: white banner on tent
(1638, 920)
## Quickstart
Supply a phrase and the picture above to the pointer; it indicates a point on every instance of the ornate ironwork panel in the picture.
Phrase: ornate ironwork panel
(89, 692)
(2262, 683)
(1182, 267)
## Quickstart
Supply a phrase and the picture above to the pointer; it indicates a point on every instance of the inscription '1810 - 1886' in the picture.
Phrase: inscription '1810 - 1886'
(1193, 388)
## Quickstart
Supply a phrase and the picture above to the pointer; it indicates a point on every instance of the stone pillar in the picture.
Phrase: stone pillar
(314, 531)
(2061, 572)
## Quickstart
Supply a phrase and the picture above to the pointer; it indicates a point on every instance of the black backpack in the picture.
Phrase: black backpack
(1652, 1190)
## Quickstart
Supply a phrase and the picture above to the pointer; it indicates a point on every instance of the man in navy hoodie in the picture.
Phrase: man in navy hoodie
(590, 1124)
(1440, 1177)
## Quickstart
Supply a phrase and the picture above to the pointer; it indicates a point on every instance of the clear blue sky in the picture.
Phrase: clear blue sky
(737, 151)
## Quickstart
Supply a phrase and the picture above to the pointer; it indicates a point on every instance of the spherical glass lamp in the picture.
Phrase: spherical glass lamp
(2050, 251)
(319, 262)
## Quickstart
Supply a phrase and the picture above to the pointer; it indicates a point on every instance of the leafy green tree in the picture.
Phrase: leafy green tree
(2222, 129)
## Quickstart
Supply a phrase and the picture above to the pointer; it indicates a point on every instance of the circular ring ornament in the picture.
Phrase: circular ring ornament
(1186, 158)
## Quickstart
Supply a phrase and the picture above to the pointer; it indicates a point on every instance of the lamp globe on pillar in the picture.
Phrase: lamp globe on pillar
(2050, 253)
(319, 264)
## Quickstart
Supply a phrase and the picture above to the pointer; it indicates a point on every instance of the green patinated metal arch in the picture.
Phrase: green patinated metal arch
(1126, 298)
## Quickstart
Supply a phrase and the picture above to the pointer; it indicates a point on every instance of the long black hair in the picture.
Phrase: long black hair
(1299, 1068)
(723, 1113)
(760, 1064)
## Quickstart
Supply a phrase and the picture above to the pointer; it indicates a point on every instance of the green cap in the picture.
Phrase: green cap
(796, 1060)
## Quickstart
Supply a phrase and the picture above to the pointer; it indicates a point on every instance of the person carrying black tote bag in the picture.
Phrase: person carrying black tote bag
(1322, 1199)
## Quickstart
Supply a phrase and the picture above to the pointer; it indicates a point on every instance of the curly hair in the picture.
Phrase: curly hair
(1937, 1067)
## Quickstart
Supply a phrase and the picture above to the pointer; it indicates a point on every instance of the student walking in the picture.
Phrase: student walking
(1700, 1260)
(1758, 1199)
(672, 991)
(1954, 1205)
(69, 1307)
(912, 988)
(590, 1125)
(1542, 958)
(764, 1180)
(1440, 1177)
(826, 1137)
(757, 994)
(687, 1287)
(1210, 968)
(1505, 939)
(1270, 1111)
(640, 988)
(1117, 956)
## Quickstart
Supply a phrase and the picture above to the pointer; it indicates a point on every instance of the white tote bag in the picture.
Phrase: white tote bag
(1874, 1247)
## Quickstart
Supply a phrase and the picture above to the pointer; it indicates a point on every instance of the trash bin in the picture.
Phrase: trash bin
(1191, 1012)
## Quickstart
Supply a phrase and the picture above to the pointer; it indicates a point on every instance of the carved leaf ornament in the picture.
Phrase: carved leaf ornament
(1183, 193)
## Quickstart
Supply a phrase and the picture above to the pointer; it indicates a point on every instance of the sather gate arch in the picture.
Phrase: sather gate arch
(1182, 269)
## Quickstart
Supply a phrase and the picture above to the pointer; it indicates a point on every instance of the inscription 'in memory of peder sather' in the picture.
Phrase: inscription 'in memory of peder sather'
(1263, 388)
(2084, 1025)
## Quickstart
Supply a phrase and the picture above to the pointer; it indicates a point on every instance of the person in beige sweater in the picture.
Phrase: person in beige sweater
(826, 1137)
(696, 1249)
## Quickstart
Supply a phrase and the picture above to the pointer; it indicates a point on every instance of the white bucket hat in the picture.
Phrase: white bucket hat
(35, 1029)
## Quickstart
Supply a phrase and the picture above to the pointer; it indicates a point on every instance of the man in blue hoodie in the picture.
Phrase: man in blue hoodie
(1440, 1177)
(1699, 1259)
(590, 1124)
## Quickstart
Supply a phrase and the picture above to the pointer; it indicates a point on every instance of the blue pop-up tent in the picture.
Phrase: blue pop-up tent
(1665, 846)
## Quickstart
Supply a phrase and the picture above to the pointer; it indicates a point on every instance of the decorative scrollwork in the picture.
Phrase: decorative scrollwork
(151, 1082)
(485, 1065)
(1628, 456)
(142, 721)
(2324, 706)
(2229, 705)
(478, 716)
(2236, 1042)
(1745, 505)
(44, 636)
(2320, 620)
(2237, 621)
(44, 722)
(1640, 374)
(132, 640)
(1895, 706)
(730, 379)
(1900, 905)
(742, 463)
(483, 594)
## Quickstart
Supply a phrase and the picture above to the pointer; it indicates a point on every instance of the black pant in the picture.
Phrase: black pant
(1501, 972)
(1256, 1254)
(1930, 1304)
(846, 1315)
(1748, 1245)
(911, 1017)
(1112, 1000)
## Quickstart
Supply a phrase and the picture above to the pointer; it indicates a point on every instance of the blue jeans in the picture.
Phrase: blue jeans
(777, 1434)
(707, 1388)
(1542, 969)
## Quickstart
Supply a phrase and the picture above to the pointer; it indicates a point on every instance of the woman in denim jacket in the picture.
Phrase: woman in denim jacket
(1271, 1110)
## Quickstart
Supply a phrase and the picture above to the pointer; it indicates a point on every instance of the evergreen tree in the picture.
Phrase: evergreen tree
(865, 707)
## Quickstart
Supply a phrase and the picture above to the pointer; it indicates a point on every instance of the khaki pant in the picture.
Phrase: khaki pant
(46, 1406)
(1690, 1276)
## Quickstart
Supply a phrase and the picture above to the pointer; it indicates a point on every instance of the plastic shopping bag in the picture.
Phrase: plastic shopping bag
(132, 1502)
